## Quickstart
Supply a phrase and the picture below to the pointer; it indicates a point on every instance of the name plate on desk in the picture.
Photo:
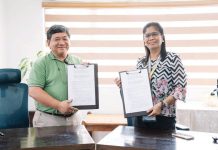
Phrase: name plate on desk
(83, 86)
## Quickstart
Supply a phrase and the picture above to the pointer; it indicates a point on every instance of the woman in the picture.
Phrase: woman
(167, 79)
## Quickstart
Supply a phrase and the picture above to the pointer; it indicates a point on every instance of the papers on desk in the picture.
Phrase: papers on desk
(83, 86)
(136, 92)
(183, 135)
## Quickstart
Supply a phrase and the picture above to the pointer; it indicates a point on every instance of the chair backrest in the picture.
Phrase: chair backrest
(13, 100)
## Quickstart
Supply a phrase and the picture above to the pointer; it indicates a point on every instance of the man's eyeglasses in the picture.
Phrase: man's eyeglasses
(153, 34)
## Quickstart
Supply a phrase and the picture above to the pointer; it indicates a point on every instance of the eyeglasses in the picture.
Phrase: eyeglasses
(153, 34)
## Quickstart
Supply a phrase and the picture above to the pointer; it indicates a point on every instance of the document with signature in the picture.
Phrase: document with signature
(136, 92)
(83, 86)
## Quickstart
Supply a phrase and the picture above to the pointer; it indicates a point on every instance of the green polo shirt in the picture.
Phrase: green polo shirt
(51, 75)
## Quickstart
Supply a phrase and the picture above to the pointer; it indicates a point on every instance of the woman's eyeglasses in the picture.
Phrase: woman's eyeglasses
(152, 34)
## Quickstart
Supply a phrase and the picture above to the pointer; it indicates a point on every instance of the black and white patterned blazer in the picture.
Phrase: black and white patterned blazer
(169, 78)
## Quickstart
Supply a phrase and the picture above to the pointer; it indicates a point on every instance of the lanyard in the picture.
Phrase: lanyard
(151, 71)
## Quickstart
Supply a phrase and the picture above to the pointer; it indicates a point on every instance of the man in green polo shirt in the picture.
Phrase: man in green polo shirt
(48, 82)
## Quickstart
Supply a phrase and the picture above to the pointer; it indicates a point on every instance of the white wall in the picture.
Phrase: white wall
(23, 30)
(2, 52)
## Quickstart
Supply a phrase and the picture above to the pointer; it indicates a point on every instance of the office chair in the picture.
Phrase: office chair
(13, 100)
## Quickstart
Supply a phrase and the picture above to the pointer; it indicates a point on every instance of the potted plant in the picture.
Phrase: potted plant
(26, 63)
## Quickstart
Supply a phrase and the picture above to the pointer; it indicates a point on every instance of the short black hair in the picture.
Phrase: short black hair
(57, 29)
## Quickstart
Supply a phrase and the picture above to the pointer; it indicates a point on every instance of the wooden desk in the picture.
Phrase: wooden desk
(131, 138)
(49, 138)
(100, 122)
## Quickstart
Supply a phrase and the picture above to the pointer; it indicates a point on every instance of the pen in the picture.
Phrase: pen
(2, 134)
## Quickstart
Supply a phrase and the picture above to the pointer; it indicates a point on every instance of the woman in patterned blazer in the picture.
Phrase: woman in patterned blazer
(167, 79)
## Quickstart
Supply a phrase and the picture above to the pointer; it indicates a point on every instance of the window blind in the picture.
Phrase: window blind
(112, 35)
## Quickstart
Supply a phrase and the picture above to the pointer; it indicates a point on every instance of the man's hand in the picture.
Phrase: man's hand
(64, 107)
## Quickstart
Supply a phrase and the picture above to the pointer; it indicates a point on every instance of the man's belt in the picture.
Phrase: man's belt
(61, 115)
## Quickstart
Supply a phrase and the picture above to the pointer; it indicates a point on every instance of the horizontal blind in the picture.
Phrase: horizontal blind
(112, 36)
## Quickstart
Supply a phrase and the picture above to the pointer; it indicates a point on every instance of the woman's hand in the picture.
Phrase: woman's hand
(117, 82)
(155, 110)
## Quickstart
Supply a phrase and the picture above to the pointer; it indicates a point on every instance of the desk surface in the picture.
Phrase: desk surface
(49, 138)
(103, 122)
(131, 138)
(105, 119)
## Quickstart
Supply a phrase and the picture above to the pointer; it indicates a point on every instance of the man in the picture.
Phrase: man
(48, 82)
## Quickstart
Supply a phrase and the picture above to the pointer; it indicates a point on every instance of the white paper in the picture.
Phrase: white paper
(81, 85)
(136, 91)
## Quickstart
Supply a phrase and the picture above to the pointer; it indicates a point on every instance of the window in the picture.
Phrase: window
(110, 34)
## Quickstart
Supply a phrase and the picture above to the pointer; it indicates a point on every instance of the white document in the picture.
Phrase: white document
(81, 85)
(136, 91)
